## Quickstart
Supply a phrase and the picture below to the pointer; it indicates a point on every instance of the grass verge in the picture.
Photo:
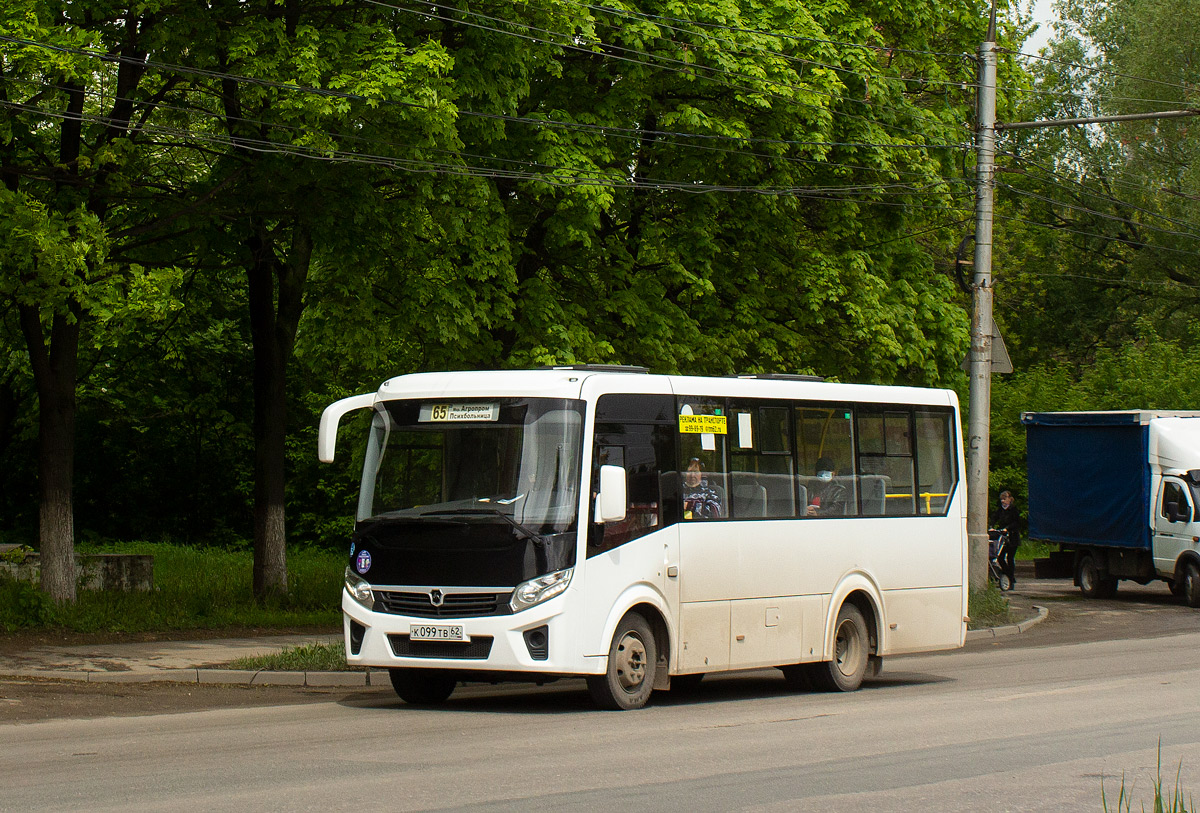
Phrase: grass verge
(308, 658)
(988, 608)
(194, 588)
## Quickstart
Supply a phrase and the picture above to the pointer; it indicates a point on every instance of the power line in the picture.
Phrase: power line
(1106, 237)
(755, 32)
(341, 137)
(465, 170)
(526, 120)
(795, 37)
(1106, 97)
(1099, 214)
(1084, 189)
(664, 63)
(1107, 280)
(1105, 71)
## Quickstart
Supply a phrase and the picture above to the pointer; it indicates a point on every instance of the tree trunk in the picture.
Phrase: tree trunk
(54, 372)
(274, 317)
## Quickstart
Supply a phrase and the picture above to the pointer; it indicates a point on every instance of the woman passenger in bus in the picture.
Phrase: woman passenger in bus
(701, 500)
(827, 497)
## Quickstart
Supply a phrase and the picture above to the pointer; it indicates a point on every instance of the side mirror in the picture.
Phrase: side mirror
(613, 497)
(327, 433)
(1173, 512)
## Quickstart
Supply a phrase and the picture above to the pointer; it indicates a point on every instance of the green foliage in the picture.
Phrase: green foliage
(722, 189)
(23, 606)
(194, 588)
(17, 554)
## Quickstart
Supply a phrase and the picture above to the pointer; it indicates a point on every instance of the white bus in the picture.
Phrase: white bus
(642, 530)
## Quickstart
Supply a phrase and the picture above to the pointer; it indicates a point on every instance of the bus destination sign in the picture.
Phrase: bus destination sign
(459, 412)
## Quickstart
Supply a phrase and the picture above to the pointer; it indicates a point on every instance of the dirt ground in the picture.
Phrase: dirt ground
(23, 640)
(28, 700)
(1136, 611)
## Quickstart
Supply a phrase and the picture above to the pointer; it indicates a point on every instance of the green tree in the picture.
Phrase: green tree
(70, 186)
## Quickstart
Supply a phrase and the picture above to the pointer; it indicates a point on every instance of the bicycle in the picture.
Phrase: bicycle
(997, 539)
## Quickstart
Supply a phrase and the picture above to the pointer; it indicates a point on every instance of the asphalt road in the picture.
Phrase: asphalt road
(1032, 722)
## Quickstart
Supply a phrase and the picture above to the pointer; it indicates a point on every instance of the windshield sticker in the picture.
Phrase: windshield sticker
(362, 562)
(431, 413)
(702, 424)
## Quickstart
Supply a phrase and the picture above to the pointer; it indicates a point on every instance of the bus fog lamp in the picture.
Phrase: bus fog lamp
(359, 588)
(535, 591)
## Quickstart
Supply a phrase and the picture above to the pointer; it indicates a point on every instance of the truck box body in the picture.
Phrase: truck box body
(1089, 477)
(1093, 475)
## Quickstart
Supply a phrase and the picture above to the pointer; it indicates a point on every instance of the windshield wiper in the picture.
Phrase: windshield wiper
(404, 515)
(537, 538)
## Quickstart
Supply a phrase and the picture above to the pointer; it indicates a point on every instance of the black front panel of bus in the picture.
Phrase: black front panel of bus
(467, 553)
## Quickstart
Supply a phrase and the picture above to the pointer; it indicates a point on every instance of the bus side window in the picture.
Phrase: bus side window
(825, 442)
(704, 484)
(886, 462)
(937, 469)
(761, 470)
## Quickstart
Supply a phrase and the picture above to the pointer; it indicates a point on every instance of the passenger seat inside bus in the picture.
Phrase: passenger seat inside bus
(749, 498)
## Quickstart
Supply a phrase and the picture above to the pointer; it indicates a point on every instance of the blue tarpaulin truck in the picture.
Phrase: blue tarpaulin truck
(1122, 490)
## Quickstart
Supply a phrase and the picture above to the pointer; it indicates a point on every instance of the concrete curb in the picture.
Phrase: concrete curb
(1010, 629)
(351, 679)
(226, 677)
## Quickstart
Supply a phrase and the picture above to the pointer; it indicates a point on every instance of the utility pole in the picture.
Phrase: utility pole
(980, 412)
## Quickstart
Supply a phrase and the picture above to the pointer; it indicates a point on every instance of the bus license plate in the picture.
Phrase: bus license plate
(437, 632)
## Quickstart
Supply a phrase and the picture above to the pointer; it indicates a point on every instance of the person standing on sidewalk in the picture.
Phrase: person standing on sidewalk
(1008, 518)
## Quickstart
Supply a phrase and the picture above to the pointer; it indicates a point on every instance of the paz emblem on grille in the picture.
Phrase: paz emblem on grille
(435, 597)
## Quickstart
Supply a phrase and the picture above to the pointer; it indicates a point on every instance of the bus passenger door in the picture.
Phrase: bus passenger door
(703, 582)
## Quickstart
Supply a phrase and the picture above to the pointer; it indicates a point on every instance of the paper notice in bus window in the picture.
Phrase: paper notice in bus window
(458, 412)
(708, 442)
(702, 424)
(745, 433)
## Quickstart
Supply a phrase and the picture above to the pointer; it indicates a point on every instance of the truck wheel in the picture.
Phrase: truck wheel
(1191, 584)
(422, 687)
(632, 657)
(851, 650)
(1091, 583)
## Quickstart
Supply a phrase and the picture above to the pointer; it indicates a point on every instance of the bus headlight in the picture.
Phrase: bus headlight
(359, 588)
(535, 591)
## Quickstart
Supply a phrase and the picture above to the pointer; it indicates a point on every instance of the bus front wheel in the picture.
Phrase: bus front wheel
(629, 679)
(422, 687)
(851, 651)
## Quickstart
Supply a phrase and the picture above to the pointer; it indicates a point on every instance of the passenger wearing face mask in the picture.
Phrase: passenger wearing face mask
(827, 497)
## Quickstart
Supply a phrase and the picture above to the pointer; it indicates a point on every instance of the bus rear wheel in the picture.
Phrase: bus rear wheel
(851, 651)
(629, 679)
(423, 687)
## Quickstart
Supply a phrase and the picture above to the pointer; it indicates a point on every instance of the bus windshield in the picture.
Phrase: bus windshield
(515, 458)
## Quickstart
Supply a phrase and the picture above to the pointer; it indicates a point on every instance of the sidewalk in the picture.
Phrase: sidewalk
(178, 661)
